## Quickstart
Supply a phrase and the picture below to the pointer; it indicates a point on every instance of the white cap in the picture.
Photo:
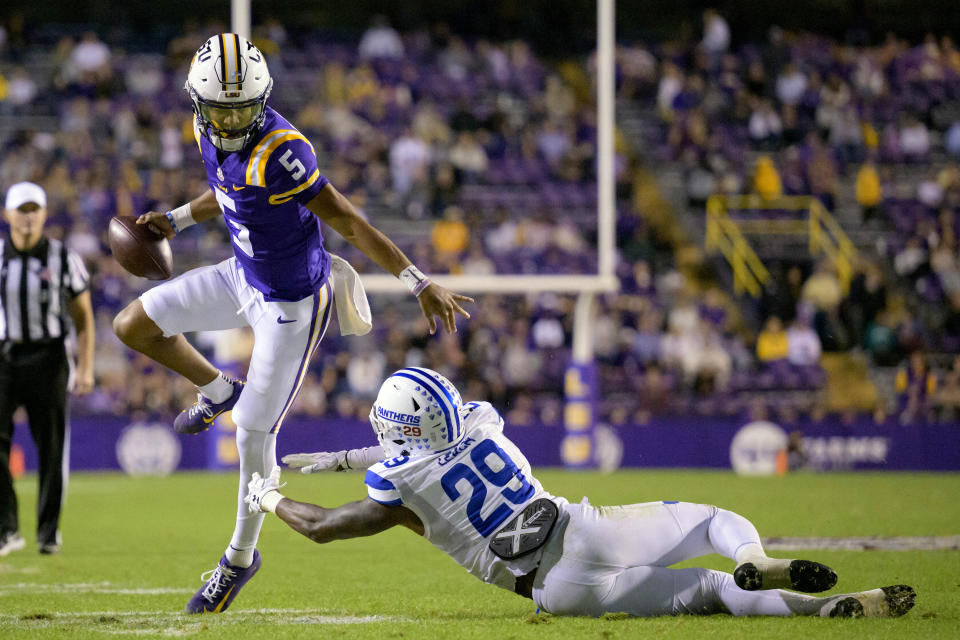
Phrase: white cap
(24, 192)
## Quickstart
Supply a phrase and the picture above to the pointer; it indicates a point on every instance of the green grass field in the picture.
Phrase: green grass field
(134, 549)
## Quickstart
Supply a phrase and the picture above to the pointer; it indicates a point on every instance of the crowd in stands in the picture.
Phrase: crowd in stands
(801, 114)
(478, 158)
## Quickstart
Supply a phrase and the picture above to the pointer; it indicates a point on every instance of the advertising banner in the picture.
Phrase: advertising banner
(753, 448)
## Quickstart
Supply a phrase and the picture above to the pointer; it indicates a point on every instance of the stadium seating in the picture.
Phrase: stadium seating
(513, 149)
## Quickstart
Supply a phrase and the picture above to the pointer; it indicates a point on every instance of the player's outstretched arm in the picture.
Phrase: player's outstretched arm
(169, 223)
(436, 302)
(354, 459)
(352, 520)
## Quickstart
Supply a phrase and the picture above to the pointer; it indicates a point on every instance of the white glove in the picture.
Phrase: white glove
(263, 494)
(317, 462)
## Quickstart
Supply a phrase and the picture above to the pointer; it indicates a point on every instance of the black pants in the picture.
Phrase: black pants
(35, 378)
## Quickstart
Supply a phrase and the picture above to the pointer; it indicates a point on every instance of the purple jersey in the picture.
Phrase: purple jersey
(262, 191)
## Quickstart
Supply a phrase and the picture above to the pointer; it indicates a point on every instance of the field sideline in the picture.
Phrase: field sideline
(134, 549)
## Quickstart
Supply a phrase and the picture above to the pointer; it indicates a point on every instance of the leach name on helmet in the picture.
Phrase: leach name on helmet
(261, 169)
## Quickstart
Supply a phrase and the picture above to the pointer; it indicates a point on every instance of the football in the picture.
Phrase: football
(140, 249)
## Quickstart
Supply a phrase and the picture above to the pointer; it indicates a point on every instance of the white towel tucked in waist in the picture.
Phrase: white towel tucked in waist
(353, 310)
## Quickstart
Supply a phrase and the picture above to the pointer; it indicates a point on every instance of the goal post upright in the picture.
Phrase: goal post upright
(240, 17)
(606, 121)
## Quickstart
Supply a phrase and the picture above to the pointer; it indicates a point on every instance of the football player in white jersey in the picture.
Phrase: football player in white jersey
(445, 470)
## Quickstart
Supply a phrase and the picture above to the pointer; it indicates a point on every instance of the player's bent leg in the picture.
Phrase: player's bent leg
(218, 393)
(735, 537)
(649, 533)
(139, 332)
(205, 299)
(643, 591)
(659, 533)
(664, 533)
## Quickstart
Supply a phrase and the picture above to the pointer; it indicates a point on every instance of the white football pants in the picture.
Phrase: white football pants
(615, 559)
(285, 334)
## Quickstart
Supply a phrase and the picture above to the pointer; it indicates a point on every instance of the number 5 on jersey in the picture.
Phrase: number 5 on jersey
(239, 233)
(295, 168)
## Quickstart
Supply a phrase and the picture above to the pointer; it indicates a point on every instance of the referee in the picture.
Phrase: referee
(43, 287)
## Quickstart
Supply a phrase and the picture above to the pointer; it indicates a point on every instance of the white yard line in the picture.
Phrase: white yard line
(173, 632)
(189, 625)
(233, 616)
(87, 587)
(865, 543)
(6, 568)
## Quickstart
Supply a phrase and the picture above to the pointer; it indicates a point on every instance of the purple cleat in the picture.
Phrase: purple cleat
(203, 412)
(222, 586)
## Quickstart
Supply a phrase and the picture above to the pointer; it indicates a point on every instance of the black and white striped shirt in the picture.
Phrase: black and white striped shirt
(35, 289)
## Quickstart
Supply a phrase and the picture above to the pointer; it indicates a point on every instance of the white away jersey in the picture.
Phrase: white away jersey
(465, 494)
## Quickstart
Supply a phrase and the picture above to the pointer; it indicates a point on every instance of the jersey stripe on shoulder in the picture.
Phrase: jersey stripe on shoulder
(377, 481)
(257, 165)
(258, 153)
(382, 490)
(280, 198)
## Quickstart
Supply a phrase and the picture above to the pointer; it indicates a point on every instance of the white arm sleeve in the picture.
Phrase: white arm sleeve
(364, 458)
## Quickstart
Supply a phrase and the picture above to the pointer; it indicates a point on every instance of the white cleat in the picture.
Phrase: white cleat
(770, 573)
(886, 602)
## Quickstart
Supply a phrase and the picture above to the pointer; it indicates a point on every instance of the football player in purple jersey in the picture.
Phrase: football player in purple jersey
(264, 181)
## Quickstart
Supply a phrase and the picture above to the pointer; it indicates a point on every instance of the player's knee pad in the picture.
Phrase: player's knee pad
(254, 412)
(250, 419)
(258, 409)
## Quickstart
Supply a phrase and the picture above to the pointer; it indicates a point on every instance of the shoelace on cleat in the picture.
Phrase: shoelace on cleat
(202, 405)
(216, 580)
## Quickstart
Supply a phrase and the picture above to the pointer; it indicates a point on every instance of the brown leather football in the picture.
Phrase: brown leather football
(140, 249)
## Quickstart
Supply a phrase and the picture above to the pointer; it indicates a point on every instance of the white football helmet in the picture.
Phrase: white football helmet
(228, 83)
(417, 413)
